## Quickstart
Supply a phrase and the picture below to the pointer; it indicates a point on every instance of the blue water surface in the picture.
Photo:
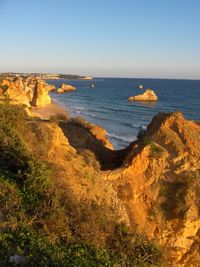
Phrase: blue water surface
(107, 104)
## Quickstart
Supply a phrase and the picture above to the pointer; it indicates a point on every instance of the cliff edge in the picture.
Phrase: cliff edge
(159, 184)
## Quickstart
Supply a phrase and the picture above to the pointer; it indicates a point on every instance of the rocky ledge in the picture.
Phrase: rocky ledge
(148, 95)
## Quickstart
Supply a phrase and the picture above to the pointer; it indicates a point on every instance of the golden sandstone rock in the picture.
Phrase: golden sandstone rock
(66, 88)
(27, 91)
(159, 184)
(148, 95)
(154, 183)
(41, 97)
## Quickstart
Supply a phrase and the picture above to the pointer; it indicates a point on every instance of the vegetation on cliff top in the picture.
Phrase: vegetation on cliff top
(44, 223)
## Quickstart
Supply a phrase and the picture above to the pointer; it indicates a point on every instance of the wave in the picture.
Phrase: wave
(94, 116)
(115, 109)
(78, 108)
(87, 109)
(122, 138)
(85, 113)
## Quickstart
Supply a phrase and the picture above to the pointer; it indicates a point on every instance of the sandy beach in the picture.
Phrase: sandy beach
(48, 111)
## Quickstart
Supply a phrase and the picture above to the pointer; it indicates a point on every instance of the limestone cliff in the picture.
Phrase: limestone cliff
(27, 91)
(15, 90)
(153, 184)
(159, 184)
(72, 169)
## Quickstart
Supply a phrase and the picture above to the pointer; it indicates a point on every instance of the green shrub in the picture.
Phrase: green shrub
(10, 203)
(35, 185)
(155, 148)
(37, 250)
(12, 144)
(132, 249)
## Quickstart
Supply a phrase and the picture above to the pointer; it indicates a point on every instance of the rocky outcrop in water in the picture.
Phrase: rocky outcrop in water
(66, 88)
(148, 95)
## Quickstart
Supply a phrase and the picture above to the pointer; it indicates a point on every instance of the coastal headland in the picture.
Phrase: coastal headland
(150, 188)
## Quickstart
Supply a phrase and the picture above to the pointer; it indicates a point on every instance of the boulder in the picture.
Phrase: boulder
(148, 95)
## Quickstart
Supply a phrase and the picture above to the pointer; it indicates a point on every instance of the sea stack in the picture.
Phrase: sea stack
(148, 95)
(66, 88)
(40, 96)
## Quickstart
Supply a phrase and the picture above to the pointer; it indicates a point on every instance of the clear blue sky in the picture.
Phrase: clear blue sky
(124, 38)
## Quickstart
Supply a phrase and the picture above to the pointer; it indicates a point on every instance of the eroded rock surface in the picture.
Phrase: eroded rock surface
(27, 91)
(159, 184)
(66, 88)
(148, 95)
(41, 97)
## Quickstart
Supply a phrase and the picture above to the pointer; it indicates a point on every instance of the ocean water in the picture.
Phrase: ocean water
(107, 104)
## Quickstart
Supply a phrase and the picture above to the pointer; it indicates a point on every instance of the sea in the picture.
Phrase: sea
(107, 103)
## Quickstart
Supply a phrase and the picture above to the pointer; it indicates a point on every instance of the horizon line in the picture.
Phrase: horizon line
(108, 77)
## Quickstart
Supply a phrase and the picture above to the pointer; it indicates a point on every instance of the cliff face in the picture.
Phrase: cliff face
(73, 170)
(15, 90)
(29, 91)
(158, 181)
(159, 184)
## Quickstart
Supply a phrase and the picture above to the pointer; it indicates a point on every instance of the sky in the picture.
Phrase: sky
(102, 38)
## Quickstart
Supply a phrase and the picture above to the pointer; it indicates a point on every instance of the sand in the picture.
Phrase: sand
(48, 111)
